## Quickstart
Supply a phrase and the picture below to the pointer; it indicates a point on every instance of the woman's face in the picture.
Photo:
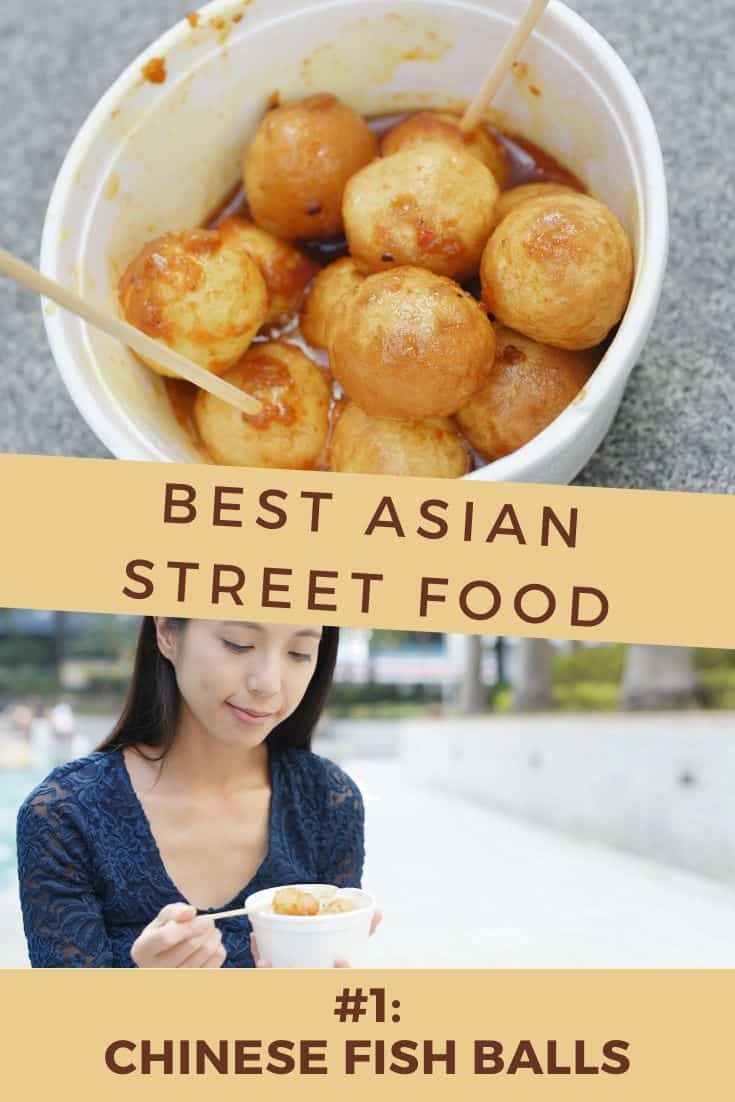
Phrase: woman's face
(239, 680)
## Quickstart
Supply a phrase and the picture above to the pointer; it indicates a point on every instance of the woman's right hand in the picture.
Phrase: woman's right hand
(179, 938)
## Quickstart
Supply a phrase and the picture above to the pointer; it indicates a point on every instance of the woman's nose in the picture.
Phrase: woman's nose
(264, 679)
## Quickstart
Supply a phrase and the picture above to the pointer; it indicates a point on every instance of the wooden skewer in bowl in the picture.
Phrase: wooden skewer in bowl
(503, 64)
(127, 334)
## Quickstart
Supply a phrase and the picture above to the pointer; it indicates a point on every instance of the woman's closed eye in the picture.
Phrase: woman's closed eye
(242, 648)
(238, 648)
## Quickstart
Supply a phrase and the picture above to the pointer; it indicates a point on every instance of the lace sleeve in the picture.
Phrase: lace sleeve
(342, 852)
(62, 915)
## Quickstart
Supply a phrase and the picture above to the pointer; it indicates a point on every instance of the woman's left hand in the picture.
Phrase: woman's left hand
(260, 963)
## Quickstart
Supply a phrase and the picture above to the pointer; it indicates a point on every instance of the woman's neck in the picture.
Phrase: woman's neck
(197, 760)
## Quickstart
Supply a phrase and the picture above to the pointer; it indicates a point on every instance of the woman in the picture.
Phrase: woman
(205, 791)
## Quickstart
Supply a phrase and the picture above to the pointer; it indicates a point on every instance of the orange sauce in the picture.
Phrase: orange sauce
(529, 164)
(154, 70)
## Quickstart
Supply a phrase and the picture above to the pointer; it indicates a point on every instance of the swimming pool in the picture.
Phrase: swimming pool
(14, 787)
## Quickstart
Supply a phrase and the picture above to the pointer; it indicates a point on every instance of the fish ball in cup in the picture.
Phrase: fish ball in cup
(331, 285)
(198, 292)
(338, 931)
(290, 430)
(529, 386)
(287, 271)
(408, 344)
(362, 444)
(443, 127)
(339, 906)
(432, 206)
(559, 269)
(298, 163)
(513, 198)
(295, 901)
(318, 899)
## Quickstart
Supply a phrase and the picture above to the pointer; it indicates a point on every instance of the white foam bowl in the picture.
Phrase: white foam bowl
(157, 157)
(311, 941)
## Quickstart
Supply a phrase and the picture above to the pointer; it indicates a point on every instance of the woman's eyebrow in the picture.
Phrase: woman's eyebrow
(312, 633)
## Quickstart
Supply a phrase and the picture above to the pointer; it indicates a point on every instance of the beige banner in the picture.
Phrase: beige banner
(87, 1035)
(403, 553)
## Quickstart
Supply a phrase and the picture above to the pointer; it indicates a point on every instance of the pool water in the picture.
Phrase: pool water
(14, 787)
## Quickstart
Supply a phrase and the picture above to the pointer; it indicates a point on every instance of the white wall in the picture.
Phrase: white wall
(659, 785)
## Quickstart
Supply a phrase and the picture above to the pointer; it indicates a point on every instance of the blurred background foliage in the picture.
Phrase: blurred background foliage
(88, 658)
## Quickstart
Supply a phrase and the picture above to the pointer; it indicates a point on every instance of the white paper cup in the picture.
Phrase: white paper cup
(157, 157)
(312, 941)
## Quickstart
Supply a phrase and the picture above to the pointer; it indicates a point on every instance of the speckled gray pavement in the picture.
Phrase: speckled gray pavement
(676, 427)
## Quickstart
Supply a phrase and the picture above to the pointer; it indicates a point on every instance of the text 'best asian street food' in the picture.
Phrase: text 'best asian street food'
(401, 298)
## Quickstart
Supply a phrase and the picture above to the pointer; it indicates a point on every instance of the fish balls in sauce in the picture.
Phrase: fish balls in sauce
(432, 206)
(290, 430)
(442, 126)
(198, 292)
(294, 901)
(559, 269)
(331, 285)
(363, 444)
(287, 271)
(409, 344)
(529, 386)
(298, 163)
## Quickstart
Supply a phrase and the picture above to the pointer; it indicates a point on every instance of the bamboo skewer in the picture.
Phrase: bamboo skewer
(503, 65)
(127, 334)
(230, 914)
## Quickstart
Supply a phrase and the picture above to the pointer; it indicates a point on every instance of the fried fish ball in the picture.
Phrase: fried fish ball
(294, 901)
(290, 430)
(374, 445)
(332, 284)
(339, 906)
(199, 293)
(298, 163)
(528, 388)
(560, 270)
(513, 198)
(408, 344)
(432, 206)
(287, 271)
(442, 126)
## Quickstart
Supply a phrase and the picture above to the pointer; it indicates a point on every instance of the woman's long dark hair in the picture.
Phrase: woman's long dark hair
(151, 711)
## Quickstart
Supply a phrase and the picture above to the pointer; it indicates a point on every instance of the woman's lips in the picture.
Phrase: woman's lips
(250, 716)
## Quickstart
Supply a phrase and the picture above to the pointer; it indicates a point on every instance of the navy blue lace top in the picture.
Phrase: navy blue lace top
(91, 875)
